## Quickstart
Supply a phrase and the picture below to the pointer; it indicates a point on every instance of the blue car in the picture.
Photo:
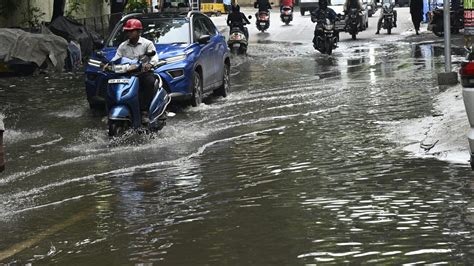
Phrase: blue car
(195, 56)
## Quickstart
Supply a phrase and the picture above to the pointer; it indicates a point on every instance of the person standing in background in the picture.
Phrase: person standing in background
(416, 11)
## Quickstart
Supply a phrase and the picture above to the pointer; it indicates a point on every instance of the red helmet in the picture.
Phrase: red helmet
(133, 24)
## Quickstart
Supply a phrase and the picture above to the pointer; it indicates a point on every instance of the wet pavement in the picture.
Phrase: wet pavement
(296, 166)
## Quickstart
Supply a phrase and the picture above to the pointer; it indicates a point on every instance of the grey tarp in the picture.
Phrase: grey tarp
(72, 30)
(32, 47)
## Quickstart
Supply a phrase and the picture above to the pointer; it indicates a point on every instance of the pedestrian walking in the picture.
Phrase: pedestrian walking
(416, 11)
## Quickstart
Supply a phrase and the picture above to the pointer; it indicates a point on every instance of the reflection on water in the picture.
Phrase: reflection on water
(293, 167)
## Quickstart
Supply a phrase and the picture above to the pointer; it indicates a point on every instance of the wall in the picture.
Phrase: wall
(88, 8)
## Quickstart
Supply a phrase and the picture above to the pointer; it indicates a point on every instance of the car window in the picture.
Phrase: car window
(159, 31)
(199, 28)
(210, 26)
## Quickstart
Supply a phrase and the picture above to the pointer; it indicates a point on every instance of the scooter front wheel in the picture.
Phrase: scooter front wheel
(117, 128)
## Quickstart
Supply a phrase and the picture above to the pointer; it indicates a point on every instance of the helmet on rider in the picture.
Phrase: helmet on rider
(133, 24)
(323, 4)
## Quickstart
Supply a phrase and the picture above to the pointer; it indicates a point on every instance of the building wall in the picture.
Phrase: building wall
(88, 8)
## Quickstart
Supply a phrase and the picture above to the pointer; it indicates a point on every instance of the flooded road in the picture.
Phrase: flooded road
(294, 167)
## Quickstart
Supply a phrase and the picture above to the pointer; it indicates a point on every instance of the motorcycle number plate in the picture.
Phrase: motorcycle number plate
(236, 45)
(118, 81)
(262, 24)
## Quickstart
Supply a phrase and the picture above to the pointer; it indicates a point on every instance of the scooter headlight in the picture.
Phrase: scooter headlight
(329, 25)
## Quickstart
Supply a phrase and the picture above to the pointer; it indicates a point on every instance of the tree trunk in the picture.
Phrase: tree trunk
(117, 6)
(116, 10)
(58, 8)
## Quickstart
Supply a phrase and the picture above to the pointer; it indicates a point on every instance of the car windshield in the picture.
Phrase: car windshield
(159, 31)
(337, 2)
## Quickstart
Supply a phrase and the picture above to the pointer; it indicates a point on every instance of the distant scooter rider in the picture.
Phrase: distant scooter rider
(288, 3)
(262, 5)
(349, 4)
(379, 23)
(135, 48)
(323, 10)
(238, 19)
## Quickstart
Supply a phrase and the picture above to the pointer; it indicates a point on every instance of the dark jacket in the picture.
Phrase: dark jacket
(416, 10)
(262, 5)
(236, 17)
(326, 12)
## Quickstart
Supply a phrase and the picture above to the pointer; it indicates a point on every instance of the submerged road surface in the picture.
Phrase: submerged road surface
(294, 167)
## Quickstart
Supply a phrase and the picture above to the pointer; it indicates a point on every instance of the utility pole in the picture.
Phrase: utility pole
(448, 77)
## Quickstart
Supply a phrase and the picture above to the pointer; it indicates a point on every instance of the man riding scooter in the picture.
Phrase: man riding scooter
(350, 4)
(323, 11)
(288, 3)
(135, 48)
(238, 19)
(392, 5)
(262, 5)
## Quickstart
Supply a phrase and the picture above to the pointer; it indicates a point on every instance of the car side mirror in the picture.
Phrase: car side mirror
(204, 39)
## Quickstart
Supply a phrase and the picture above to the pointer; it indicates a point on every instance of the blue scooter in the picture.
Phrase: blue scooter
(122, 96)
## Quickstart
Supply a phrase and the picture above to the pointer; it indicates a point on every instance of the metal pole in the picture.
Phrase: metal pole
(447, 35)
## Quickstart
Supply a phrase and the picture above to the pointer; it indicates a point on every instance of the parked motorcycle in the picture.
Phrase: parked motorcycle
(388, 18)
(263, 20)
(436, 23)
(122, 96)
(325, 36)
(237, 41)
(352, 22)
(286, 14)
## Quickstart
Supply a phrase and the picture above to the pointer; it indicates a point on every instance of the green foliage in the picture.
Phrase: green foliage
(136, 5)
(8, 7)
(73, 8)
(32, 17)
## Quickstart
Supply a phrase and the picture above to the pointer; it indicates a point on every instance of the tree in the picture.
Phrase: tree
(58, 8)
(116, 10)
(8, 7)
(117, 6)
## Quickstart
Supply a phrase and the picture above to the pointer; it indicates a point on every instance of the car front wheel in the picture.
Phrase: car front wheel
(196, 99)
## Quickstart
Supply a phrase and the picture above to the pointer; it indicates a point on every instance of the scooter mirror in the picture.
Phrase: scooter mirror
(101, 55)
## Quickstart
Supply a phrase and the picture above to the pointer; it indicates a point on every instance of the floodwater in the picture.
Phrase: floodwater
(294, 167)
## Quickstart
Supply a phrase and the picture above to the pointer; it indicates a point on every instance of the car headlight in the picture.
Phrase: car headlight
(175, 59)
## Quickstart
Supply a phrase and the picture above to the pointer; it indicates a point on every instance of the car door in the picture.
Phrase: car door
(220, 48)
(206, 51)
